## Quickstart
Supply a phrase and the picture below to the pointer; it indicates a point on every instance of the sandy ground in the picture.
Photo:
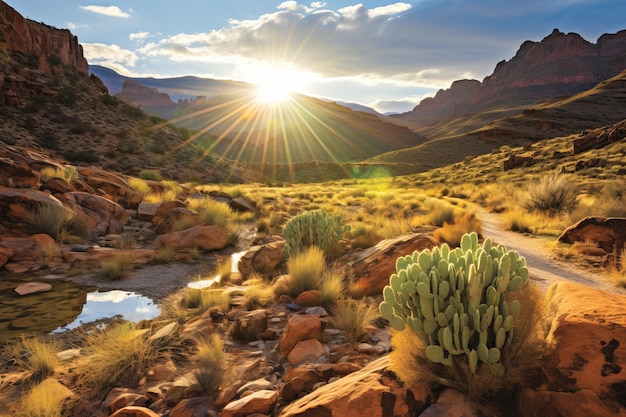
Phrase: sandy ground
(544, 268)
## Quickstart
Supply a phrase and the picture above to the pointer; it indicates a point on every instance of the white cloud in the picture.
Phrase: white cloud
(111, 56)
(390, 10)
(112, 11)
(139, 36)
(71, 26)
(318, 4)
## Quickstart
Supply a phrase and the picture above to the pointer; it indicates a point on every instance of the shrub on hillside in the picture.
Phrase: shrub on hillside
(313, 228)
(553, 194)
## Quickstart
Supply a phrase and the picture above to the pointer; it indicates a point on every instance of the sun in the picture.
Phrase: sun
(275, 84)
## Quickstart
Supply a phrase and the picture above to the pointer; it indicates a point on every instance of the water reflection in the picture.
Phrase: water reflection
(205, 283)
(108, 304)
(65, 307)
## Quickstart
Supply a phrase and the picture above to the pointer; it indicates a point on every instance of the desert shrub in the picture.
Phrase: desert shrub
(184, 223)
(192, 298)
(164, 256)
(211, 364)
(67, 96)
(305, 270)
(522, 222)
(119, 355)
(139, 185)
(49, 219)
(39, 356)
(117, 267)
(440, 214)
(150, 174)
(43, 400)
(552, 194)
(314, 227)
(212, 212)
(452, 233)
(481, 335)
(67, 173)
(353, 317)
(363, 236)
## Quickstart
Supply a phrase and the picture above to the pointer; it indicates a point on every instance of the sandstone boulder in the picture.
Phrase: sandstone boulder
(297, 329)
(262, 258)
(608, 233)
(98, 214)
(111, 185)
(261, 402)
(373, 266)
(307, 351)
(516, 161)
(134, 411)
(202, 237)
(30, 252)
(586, 343)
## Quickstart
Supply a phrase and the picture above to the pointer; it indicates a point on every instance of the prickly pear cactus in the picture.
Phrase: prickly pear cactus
(314, 227)
(455, 299)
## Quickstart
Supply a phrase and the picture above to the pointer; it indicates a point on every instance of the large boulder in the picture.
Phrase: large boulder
(201, 237)
(99, 215)
(587, 345)
(372, 267)
(29, 253)
(367, 392)
(262, 258)
(608, 233)
(111, 185)
(299, 328)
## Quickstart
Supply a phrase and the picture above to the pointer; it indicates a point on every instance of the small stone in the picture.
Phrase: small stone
(33, 288)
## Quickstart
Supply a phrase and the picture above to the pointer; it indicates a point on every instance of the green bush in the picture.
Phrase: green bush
(459, 302)
(151, 175)
(313, 228)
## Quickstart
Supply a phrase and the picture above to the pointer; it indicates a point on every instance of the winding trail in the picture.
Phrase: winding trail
(543, 267)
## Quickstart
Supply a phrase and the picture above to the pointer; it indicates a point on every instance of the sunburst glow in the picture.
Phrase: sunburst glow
(276, 83)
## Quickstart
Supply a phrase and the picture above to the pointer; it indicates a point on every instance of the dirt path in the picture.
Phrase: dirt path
(544, 268)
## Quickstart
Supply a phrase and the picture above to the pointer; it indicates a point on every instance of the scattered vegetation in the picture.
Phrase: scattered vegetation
(39, 356)
(43, 400)
(305, 270)
(353, 317)
(211, 364)
(49, 219)
(117, 267)
(313, 227)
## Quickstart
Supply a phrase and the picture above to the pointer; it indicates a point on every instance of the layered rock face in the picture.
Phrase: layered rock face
(561, 64)
(137, 93)
(31, 38)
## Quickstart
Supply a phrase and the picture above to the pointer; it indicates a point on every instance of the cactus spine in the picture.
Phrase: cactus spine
(455, 300)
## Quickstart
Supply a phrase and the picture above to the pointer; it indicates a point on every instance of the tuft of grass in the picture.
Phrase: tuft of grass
(552, 194)
(117, 267)
(117, 356)
(305, 270)
(440, 214)
(212, 212)
(452, 233)
(192, 298)
(140, 186)
(68, 173)
(150, 174)
(41, 356)
(49, 219)
(332, 289)
(43, 400)
(353, 317)
(519, 221)
(164, 256)
(211, 364)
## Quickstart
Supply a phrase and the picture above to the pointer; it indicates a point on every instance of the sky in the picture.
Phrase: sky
(384, 54)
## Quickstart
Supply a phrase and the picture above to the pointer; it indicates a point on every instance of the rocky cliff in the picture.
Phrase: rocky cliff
(46, 43)
(137, 93)
(560, 64)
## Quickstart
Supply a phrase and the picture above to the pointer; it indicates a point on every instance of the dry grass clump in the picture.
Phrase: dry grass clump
(305, 270)
(68, 173)
(140, 186)
(119, 355)
(332, 289)
(440, 214)
(212, 212)
(363, 236)
(353, 317)
(211, 364)
(521, 358)
(552, 194)
(451, 233)
(39, 356)
(49, 219)
(43, 400)
(117, 267)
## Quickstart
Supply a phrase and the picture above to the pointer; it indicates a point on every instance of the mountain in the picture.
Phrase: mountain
(178, 88)
(557, 66)
(50, 104)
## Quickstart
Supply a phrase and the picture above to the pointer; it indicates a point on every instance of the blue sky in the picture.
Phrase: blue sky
(385, 54)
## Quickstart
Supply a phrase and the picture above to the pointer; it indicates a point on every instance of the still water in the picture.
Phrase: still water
(65, 307)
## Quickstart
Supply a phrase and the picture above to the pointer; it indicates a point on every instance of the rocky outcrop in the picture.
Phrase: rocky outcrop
(608, 233)
(599, 138)
(560, 64)
(36, 39)
(137, 93)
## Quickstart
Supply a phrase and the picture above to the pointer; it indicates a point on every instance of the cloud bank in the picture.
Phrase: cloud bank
(111, 11)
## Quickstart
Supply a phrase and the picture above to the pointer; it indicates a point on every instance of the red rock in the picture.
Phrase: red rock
(309, 298)
(373, 266)
(33, 288)
(259, 402)
(137, 93)
(306, 351)
(28, 252)
(297, 329)
(100, 214)
(583, 403)
(607, 233)
(193, 407)
(262, 258)
(586, 349)
(516, 161)
(134, 411)
(202, 237)
(250, 325)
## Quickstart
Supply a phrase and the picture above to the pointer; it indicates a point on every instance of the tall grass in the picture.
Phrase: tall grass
(212, 212)
(41, 356)
(67, 173)
(117, 267)
(117, 356)
(49, 219)
(353, 317)
(211, 364)
(44, 400)
(305, 270)
(332, 289)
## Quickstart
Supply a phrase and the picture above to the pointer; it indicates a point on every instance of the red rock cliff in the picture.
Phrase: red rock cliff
(32, 38)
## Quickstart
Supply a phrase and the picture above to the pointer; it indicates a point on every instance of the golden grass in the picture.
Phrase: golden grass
(353, 317)
(451, 233)
(332, 289)
(117, 267)
(68, 173)
(305, 270)
(119, 355)
(212, 212)
(211, 363)
(140, 186)
(43, 400)
(49, 219)
(40, 356)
